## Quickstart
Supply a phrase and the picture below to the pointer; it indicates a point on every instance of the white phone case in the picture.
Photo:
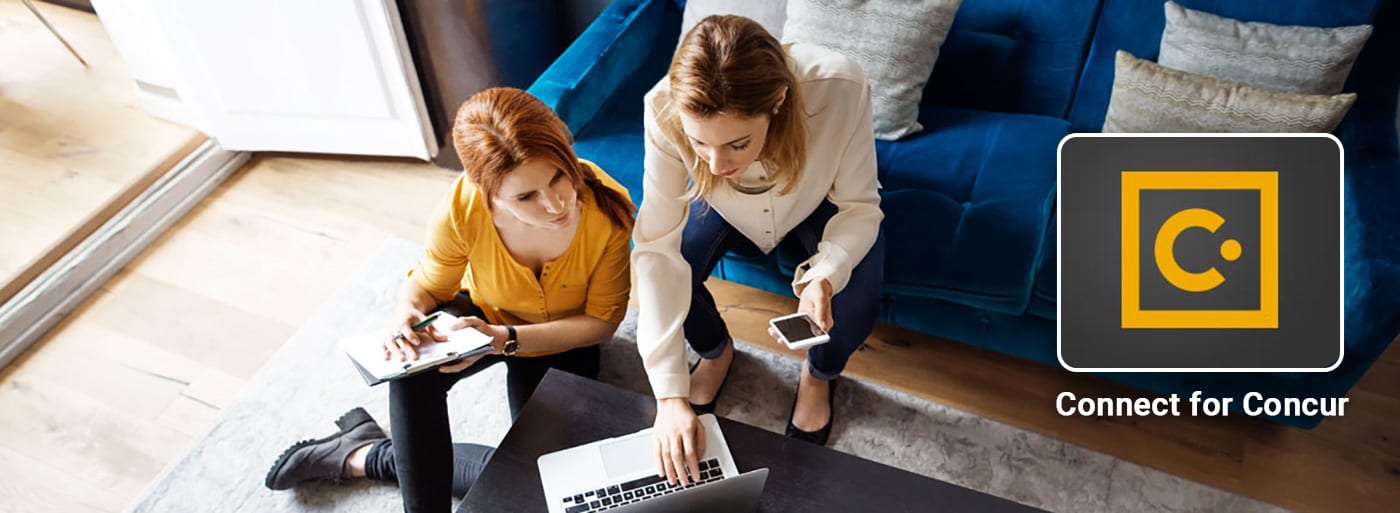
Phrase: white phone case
(803, 343)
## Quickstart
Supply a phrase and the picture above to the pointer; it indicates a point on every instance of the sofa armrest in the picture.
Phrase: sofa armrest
(582, 79)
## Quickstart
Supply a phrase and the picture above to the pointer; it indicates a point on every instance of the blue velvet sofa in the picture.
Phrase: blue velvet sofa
(969, 201)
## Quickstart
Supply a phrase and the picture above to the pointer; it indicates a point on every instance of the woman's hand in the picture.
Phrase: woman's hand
(462, 365)
(680, 440)
(498, 336)
(497, 333)
(814, 301)
(403, 342)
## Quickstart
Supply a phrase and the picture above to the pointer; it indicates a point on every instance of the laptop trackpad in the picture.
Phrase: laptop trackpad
(629, 456)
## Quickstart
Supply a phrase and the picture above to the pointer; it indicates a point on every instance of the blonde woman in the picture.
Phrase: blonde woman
(749, 143)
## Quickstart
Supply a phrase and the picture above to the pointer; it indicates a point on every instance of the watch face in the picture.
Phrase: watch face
(510, 347)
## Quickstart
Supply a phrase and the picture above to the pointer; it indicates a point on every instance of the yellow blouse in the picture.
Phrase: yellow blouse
(464, 252)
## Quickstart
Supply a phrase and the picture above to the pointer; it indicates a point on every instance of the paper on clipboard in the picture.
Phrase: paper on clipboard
(366, 351)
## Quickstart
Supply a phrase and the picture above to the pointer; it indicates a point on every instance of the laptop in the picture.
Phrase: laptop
(620, 475)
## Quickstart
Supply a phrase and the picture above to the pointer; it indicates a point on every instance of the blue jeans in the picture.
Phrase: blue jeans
(707, 237)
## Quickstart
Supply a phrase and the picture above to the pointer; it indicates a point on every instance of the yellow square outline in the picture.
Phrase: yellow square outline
(1266, 182)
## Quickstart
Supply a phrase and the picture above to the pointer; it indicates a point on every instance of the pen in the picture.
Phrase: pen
(426, 321)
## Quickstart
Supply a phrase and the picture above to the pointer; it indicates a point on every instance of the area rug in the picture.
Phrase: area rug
(308, 384)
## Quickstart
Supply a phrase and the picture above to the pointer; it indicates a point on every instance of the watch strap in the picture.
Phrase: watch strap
(511, 344)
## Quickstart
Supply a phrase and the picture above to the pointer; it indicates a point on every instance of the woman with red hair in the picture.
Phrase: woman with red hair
(530, 246)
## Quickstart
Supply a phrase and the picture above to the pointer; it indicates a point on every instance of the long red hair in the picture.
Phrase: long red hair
(499, 129)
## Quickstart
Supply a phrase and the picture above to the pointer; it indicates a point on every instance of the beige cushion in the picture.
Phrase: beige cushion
(1287, 58)
(895, 41)
(1150, 98)
(769, 13)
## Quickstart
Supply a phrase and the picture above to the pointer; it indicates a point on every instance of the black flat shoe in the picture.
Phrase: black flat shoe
(701, 409)
(819, 436)
(324, 459)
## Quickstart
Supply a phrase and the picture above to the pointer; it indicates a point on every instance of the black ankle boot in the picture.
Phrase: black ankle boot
(324, 459)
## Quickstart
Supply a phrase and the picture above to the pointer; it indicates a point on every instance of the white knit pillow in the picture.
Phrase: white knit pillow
(896, 42)
(1294, 59)
(769, 13)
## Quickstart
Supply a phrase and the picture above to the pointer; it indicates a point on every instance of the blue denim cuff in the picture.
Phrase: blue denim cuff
(716, 352)
(818, 373)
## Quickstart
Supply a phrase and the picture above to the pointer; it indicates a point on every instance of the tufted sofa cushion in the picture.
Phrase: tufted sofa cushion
(968, 201)
(1013, 56)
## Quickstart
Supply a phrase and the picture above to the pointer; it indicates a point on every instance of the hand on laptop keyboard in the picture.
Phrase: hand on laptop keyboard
(637, 490)
(680, 439)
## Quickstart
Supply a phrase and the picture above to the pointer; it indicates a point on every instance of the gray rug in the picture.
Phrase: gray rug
(308, 384)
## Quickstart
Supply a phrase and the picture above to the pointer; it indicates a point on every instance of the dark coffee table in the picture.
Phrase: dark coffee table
(568, 410)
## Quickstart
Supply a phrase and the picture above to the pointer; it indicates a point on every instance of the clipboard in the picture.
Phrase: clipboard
(366, 352)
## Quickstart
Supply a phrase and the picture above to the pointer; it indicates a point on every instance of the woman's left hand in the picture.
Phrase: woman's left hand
(498, 336)
(460, 366)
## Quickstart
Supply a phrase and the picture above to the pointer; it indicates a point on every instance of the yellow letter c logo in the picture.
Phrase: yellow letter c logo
(1166, 239)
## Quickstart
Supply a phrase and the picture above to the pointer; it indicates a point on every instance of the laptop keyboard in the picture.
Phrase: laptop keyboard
(636, 490)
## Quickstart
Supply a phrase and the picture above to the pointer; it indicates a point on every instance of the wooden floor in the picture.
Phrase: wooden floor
(93, 412)
(72, 139)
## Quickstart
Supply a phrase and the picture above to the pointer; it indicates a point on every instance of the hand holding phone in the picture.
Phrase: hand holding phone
(799, 331)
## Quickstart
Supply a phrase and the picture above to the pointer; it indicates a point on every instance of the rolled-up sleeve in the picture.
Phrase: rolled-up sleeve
(851, 232)
(663, 276)
(444, 259)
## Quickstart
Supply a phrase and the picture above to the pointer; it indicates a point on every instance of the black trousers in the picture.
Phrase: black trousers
(426, 464)
(468, 460)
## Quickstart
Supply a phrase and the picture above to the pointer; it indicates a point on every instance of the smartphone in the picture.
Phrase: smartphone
(799, 331)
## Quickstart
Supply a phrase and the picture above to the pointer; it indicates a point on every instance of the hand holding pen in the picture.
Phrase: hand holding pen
(408, 334)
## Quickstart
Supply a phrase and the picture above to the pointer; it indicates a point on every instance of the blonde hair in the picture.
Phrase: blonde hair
(731, 65)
